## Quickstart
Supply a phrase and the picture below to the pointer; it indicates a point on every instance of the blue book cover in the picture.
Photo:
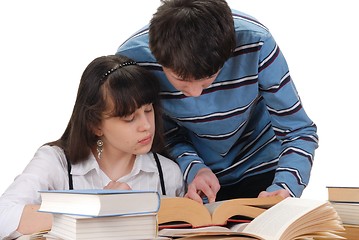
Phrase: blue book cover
(98, 191)
(99, 202)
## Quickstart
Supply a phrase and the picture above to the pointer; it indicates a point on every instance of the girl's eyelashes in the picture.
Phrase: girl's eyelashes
(148, 107)
(129, 118)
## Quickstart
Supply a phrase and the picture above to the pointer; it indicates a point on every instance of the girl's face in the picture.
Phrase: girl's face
(132, 134)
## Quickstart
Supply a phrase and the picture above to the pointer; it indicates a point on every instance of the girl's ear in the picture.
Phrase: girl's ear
(96, 130)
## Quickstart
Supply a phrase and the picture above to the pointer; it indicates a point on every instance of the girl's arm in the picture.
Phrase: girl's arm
(19, 203)
(32, 221)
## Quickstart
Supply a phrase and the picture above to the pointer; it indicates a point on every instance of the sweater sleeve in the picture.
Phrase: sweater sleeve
(293, 128)
(182, 150)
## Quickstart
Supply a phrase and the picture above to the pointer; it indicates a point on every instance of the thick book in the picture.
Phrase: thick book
(343, 194)
(291, 218)
(348, 212)
(72, 227)
(99, 202)
(180, 211)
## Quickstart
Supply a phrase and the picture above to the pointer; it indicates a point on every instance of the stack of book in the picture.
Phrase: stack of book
(346, 202)
(102, 214)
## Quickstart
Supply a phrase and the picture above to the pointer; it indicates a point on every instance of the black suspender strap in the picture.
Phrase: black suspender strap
(71, 185)
(160, 173)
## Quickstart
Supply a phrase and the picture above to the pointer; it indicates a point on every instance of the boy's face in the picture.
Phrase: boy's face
(190, 87)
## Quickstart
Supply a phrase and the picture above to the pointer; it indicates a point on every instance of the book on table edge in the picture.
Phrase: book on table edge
(343, 194)
(99, 202)
(290, 218)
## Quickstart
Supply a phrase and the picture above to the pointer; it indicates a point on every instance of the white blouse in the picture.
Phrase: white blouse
(48, 170)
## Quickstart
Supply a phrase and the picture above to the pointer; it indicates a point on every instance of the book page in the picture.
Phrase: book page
(211, 232)
(273, 222)
(239, 227)
(212, 206)
(176, 209)
(256, 202)
(221, 211)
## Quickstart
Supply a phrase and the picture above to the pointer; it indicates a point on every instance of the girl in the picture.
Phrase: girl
(106, 144)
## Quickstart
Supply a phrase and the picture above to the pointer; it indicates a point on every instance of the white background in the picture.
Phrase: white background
(46, 45)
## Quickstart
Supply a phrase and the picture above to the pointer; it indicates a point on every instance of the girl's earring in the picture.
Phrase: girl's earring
(99, 148)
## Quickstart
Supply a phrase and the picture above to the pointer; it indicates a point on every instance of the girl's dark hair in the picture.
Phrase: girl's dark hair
(193, 38)
(114, 82)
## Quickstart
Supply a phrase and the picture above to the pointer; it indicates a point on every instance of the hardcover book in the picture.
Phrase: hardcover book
(99, 202)
(343, 194)
(72, 227)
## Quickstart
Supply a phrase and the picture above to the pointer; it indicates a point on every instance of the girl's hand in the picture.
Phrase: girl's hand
(117, 185)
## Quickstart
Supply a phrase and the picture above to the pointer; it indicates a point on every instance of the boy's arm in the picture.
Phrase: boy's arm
(200, 179)
(293, 128)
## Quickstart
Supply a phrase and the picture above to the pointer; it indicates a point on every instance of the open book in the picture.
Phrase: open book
(174, 210)
(292, 218)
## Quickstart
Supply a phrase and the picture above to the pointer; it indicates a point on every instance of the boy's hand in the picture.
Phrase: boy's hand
(206, 184)
(282, 192)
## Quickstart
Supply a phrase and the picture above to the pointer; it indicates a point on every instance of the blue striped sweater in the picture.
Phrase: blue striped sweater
(250, 120)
